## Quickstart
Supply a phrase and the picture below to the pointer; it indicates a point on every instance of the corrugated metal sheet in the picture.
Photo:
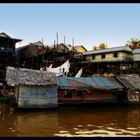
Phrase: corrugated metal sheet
(95, 82)
(63, 82)
(121, 48)
(136, 51)
(132, 81)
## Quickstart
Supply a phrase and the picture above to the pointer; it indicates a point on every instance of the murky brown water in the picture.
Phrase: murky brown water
(70, 121)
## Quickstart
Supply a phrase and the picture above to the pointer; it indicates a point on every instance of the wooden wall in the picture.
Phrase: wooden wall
(36, 96)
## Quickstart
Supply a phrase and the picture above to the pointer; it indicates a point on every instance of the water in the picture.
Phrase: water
(106, 121)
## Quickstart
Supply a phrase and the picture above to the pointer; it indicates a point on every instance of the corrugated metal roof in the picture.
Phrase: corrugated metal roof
(115, 49)
(80, 46)
(136, 51)
(95, 82)
(132, 81)
(63, 82)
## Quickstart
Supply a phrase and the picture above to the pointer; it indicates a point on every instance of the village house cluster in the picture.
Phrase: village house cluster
(102, 79)
(114, 61)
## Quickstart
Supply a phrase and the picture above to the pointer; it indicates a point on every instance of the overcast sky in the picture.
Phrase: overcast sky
(89, 24)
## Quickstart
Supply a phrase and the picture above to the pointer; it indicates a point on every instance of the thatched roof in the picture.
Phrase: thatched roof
(22, 76)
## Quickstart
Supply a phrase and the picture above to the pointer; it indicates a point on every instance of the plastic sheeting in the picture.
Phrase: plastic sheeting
(61, 70)
(79, 73)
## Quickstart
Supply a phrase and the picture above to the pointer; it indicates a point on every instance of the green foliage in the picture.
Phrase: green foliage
(134, 43)
(103, 46)
(3, 99)
(100, 47)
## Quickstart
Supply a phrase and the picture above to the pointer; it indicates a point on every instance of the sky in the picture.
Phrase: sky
(90, 24)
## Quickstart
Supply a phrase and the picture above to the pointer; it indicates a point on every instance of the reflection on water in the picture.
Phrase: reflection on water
(70, 121)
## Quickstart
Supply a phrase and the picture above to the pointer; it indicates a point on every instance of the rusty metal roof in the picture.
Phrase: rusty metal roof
(94, 82)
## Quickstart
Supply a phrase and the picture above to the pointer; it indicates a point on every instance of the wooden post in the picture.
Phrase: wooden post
(54, 44)
(32, 62)
(57, 39)
(98, 67)
(73, 43)
(121, 68)
(7, 53)
(37, 56)
(43, 53)
(57, 46)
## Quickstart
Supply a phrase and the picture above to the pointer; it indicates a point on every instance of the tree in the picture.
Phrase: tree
(94, 48)
(102, 46)
(134, 43)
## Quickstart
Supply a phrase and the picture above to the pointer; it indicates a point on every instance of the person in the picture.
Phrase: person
(63, 71)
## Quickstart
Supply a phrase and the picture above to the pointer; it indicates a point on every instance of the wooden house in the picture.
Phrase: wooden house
(77, 57)
(60, 48)
(31, 55)
(31, 49)
(80, 48)
(56, 54)
(83, 90)
(136, 59)
(115, 60)
(8, 55)
(33, 88)
(132, 83)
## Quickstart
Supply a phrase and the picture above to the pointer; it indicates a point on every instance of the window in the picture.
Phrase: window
(84, 57)
(93, 57)
(68, 93)
(79, 93)
(103, 56)
(115, 55)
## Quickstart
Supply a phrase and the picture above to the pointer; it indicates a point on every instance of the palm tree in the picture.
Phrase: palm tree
(134, 43)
